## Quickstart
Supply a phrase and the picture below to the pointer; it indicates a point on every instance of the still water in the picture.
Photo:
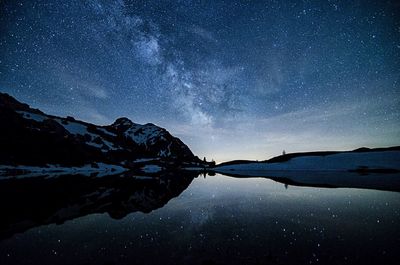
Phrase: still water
(185, 219)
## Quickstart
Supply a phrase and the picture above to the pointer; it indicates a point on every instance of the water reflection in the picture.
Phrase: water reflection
(31, 202)
(214, 220)
(326, 179)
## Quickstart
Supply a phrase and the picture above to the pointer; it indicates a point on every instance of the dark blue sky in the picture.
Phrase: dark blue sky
(232, 79)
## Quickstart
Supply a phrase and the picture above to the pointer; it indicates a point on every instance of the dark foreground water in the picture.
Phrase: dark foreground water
(194, 220)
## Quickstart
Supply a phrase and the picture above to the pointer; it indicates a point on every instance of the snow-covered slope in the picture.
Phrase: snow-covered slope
(151, 137)
(31, 137)
(344, 161)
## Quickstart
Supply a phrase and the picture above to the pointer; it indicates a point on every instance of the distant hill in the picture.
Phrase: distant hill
(380, 160)
(287, 157)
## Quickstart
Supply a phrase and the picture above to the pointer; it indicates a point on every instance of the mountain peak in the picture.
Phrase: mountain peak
(123, 121)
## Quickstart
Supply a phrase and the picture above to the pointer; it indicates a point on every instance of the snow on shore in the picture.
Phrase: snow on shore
(31, 171)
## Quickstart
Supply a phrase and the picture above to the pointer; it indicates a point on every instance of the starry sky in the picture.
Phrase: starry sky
(232, 79)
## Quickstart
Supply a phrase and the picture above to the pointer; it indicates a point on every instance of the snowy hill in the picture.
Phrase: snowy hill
(362, 160)
(31, 137)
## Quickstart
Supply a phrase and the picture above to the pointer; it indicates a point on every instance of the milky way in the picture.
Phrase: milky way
(232, 79)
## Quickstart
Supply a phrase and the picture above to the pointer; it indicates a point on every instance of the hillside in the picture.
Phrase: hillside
(32, 138)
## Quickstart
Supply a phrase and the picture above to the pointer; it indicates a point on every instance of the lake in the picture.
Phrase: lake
(182, 218)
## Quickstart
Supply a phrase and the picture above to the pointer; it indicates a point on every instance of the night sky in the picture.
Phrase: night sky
(232, 79)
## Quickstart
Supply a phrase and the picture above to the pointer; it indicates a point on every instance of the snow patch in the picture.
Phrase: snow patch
(151, 168)
(80, 129)
(142, 134)
(140, 160)
(95, 144)
(32, 116)
(106, 132)
(75, 128)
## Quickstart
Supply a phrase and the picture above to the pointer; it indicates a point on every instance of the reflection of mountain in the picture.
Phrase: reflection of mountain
(30, 202)
(326, 179)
